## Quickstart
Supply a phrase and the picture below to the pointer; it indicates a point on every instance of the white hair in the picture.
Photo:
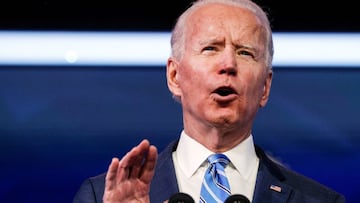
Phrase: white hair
(179, 30)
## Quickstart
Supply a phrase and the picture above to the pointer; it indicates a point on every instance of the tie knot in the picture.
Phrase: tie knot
(219, 158)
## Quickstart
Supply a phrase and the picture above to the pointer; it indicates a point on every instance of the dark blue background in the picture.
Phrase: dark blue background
(60, 125)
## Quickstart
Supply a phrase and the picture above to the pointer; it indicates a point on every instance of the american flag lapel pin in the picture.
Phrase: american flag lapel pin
(275, 188)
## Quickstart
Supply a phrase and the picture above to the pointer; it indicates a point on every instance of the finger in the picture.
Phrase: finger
(130, 164)
(110, 179)
(139, 156)
(123, 169)
(148, 168)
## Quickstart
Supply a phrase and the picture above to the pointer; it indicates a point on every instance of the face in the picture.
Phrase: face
(222, 78)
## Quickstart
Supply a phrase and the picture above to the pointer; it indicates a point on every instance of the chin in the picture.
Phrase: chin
(225, 122)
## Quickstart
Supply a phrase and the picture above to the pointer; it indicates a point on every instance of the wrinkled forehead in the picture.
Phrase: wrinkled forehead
(215, 18)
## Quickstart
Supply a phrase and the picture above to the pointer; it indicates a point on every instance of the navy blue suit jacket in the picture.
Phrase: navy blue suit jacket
(274, 183)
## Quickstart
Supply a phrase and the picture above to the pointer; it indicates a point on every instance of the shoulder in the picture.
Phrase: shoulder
(91, 190)
(302, 187)
(308, 186)
(165, 156)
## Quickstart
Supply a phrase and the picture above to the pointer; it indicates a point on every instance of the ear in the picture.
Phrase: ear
(266, 90)
(172, 77)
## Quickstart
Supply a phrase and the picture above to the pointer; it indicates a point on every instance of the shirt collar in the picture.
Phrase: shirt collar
(243, 157)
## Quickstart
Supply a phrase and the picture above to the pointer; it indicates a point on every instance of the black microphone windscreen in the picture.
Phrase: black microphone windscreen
(181, 198)
(237, 199)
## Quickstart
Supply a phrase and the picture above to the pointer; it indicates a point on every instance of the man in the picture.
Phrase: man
(220, 72)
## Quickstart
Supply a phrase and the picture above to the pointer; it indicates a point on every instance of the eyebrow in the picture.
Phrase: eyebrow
(212, 41)
(246, 47)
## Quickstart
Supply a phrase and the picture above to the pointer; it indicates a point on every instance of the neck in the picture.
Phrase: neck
(218, 140)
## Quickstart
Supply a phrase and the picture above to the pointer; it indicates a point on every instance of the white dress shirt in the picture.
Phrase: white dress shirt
(190, 165)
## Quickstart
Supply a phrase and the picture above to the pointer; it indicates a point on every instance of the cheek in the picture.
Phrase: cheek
(254, 86)
(194, 86)
(192, 83)
(192, 77)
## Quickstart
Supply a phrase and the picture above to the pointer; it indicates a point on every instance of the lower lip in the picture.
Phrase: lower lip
(227, 98)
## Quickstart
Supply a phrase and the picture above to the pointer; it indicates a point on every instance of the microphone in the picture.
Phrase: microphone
(237, 199)
(181, 198)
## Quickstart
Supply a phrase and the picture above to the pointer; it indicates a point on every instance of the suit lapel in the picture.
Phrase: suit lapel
(270, 189)
(269, 182)
(164, 183)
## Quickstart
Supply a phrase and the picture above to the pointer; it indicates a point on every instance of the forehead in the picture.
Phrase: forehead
(219, 21)
(222, 14)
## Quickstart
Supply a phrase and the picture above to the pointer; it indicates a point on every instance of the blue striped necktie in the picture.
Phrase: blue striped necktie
(215, 187)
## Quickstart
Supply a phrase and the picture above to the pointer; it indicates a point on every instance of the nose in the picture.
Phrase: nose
(228, 63)
(228, 71)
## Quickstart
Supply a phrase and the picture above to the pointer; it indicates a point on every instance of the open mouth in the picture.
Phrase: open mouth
(224, 91)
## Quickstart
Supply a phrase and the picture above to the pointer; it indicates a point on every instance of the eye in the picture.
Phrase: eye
(209, 48)
(245, 53)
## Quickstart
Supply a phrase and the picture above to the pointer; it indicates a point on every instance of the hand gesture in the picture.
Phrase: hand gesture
(128, 180)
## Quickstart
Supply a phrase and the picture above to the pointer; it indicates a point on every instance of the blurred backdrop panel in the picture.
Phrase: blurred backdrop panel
(63, 116)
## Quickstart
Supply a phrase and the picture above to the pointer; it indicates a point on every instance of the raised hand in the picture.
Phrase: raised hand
(128, 180)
